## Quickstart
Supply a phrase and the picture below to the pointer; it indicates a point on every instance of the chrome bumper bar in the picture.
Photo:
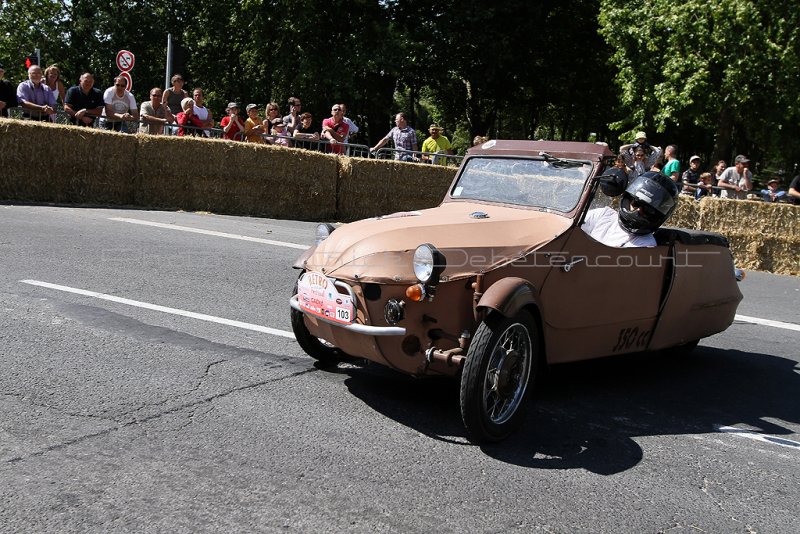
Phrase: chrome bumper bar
(357, 328)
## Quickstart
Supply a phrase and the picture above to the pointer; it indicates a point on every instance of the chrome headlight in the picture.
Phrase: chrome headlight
(323, 231)
(428, 264)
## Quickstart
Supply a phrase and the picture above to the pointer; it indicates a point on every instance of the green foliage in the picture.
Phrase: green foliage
(697, 70)
(719, 77)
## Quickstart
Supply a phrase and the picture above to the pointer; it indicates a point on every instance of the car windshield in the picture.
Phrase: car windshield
(553, 184)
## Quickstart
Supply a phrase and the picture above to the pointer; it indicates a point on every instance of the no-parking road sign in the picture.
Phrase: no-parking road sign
(125, 60)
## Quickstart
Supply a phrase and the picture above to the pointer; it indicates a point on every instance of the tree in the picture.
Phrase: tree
(727, 67)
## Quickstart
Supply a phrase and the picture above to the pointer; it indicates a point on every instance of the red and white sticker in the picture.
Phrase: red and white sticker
(318, 296)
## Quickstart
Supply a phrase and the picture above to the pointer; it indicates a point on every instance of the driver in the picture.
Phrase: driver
(647, 202)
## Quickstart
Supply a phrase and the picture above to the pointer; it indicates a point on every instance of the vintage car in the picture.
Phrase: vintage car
(500, 280)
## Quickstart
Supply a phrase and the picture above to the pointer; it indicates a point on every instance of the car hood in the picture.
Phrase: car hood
(381, 249)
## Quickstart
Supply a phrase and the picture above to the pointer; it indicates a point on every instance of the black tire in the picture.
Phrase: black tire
(323, 352)
(499, 372)
(685, 350)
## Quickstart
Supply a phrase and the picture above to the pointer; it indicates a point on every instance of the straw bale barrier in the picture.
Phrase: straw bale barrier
(762, 236)
(234, 177)
(43, 162)
(376, 187)
(65, 164)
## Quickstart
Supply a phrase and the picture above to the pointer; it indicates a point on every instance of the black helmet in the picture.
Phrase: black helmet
(647, 202)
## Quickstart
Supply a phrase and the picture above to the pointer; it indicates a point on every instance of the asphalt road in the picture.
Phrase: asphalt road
(117, 415)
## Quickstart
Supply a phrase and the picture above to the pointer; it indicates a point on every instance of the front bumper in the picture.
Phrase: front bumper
(357, 328)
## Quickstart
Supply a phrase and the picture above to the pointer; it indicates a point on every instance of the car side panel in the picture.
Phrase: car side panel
(703, 298)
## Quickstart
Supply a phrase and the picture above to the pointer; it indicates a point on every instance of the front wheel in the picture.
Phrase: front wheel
(501, 363)
(317, 348)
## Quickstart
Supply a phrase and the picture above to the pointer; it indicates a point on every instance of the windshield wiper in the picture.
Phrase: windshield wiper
(558, 162)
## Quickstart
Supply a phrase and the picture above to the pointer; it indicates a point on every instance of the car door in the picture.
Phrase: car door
(600, 300)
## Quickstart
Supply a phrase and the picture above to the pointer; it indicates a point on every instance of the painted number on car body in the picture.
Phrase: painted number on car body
(629, 338)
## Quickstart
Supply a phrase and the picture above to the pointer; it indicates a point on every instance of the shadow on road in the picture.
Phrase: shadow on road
(586, 415)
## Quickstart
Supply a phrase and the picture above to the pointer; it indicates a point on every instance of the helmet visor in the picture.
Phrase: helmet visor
(647, 191)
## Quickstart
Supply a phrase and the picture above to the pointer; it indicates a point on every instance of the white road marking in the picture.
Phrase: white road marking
(164, 309)
(749, 434)
(210, 232)
(768, 322)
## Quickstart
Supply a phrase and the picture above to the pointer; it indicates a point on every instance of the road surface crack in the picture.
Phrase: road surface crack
(188, 405)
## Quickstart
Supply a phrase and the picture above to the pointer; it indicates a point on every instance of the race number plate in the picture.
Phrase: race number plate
(317, 295)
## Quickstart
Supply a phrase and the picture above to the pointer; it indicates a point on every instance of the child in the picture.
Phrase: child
(771, 193)
(703, 188)
(252, 126)
(279, 129)
(231, 124)
(188, 118)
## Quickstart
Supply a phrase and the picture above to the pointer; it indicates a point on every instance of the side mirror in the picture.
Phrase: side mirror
(613, 182)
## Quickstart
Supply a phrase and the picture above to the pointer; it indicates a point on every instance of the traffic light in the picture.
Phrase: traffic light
(31, 60)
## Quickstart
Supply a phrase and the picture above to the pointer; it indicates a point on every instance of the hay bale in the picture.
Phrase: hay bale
(376, 187)
(237, 178)
(776, 254)
(45, 162)
(686, 214)
(723, 215)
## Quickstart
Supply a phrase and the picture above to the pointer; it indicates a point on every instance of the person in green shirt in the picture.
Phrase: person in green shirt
(436, 144)
(673, 166)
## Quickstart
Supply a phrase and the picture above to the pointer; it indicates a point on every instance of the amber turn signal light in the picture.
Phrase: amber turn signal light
(415, 292)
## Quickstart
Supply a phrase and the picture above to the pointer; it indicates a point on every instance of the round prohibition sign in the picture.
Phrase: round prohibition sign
(128, 80)
(125, 60)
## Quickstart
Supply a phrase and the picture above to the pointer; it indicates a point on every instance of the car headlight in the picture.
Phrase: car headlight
(428, 263)
(323, 231)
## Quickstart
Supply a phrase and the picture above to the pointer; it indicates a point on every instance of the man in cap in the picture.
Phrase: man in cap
(231, 124)
(736, 181)
(8, 95)
(436, 144)
(691, 176)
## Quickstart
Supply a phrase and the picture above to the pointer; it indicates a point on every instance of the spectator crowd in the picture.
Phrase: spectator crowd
(735, 182)
(172, 110)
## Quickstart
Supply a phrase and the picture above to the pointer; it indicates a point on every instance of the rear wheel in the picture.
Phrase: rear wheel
(317, 348)
(501, 363)
(685, 350)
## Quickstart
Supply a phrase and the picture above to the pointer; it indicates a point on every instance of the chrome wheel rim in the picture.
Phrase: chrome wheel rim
(507, 374)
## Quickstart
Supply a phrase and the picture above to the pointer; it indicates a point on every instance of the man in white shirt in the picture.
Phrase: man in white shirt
(736, 181)
(120, 106)
(646, 204)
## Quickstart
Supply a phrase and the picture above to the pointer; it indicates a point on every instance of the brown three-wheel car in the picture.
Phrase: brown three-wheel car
(500, 280)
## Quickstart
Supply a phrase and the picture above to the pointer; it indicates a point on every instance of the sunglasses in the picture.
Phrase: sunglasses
(336, 109)
(120, 85)
(155, 94)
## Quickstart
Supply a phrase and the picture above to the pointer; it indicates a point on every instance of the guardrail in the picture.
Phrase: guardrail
(316, 145)
(402, 154)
